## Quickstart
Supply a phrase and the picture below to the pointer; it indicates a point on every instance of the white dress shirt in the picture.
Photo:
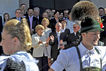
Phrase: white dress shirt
(69, 59)
(31, 20)
(19, 18)
(58, 36)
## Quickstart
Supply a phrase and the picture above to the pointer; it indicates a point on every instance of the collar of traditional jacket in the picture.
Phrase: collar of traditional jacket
(84, 50)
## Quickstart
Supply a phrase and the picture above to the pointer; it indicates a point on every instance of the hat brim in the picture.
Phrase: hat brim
(97, 29)
(92, 29)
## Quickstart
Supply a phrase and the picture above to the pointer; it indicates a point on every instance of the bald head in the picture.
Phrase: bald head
(58, 26)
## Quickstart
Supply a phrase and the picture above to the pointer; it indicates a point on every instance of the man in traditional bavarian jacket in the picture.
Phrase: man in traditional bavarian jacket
(86, 56)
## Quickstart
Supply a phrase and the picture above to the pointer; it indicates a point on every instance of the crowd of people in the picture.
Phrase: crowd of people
(54, 40)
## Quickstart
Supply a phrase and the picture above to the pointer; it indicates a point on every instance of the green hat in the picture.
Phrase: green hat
(90, 24)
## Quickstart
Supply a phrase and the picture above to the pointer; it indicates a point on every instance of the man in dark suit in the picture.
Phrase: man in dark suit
(65, 13)
(75, 37)
(54, 21)
(54, 41)
(65, 33)
(32, 21)
(71, 39)
(18, 13)
(37, 14)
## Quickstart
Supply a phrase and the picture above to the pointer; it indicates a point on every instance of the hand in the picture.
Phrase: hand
(47, 40)
(40, 42)
(52, 37)
(46, 44)
(49, 62)
(50, 69)
(61, 45)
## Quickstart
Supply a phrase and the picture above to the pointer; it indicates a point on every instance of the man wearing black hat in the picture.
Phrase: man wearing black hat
(86, 56)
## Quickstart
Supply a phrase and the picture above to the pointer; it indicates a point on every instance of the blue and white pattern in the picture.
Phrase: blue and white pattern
(30, 62)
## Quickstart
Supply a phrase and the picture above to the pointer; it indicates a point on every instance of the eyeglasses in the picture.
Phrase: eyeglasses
(74, 27)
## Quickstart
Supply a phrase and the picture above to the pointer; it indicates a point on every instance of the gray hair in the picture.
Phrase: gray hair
(37, 8)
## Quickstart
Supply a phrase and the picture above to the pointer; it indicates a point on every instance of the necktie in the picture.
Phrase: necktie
(31, 23)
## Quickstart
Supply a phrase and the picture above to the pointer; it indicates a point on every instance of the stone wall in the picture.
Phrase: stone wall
(25, 2)
(8, 6)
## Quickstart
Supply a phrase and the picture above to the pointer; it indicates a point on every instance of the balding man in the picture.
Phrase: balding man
(54, 41)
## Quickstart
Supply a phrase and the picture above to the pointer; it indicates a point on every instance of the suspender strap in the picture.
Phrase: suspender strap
(100, 58)
(97, 50)
(101, 63)
(79, 55)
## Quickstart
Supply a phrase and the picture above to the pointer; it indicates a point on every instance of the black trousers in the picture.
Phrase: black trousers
(43, 63)
(103, 37)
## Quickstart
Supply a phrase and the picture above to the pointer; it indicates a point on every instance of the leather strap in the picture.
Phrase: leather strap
(79, 55)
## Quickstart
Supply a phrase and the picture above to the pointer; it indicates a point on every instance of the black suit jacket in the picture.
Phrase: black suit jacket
(16, 18)
(1, 28)
(103, 34)
(1, 25)
(54, 46)
(74, 40)
(34, 22)
(64, 35)
(71, 39)
(39, 20)
(52, 24)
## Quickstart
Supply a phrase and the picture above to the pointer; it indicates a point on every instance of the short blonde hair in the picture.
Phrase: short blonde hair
(39, 27)
(45, 19)
(20, 30)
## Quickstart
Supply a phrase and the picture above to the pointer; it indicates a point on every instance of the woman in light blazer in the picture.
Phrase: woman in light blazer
(40, 51)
